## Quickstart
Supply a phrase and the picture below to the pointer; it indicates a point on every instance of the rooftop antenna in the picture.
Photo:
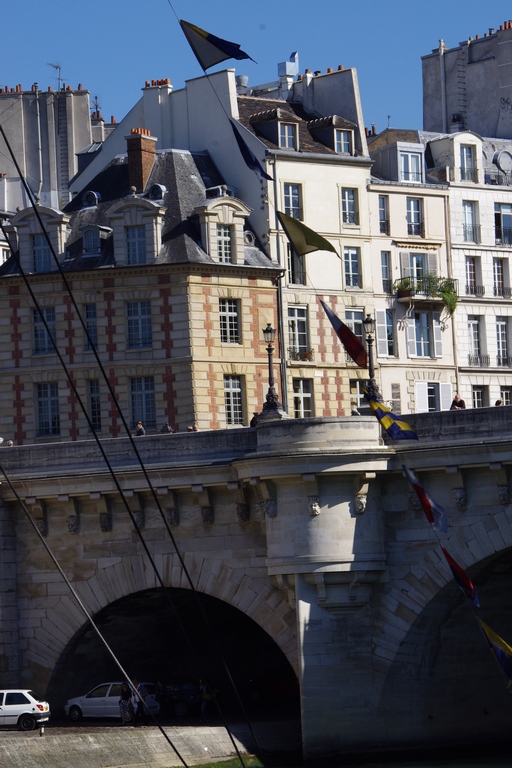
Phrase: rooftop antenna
(389, 118)
(96, 105)
(59, 69)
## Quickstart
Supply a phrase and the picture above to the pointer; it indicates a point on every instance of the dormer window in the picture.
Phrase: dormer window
(343, 141)
(222, 229)
(136, 244)
(137, 226)
(92, 237)
(468, 171)
(411, 167)
(288, 135)
(91, 241)
(224, 243)
(42, 255)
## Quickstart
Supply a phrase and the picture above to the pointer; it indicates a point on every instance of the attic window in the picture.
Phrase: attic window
(288, 135)
(91, 240)
(343, 141)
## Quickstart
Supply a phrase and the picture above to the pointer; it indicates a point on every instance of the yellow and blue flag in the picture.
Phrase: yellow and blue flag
(209, 49)
(394, 425)
(500, 649)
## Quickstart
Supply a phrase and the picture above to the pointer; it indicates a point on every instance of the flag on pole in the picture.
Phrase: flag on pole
(250, 158)
(500, 649)
(303, 239)
(395, 426)
(353, 346)
(209, 49)
(462, 579)
(434, 513)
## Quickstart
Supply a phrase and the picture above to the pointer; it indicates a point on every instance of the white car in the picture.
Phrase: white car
(103, 701)
(23, 708)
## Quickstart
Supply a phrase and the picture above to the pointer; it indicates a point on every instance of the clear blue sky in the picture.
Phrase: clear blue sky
(113, 46)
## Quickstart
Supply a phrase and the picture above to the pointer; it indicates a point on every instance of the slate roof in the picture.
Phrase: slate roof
(255, 110)
(186, 177)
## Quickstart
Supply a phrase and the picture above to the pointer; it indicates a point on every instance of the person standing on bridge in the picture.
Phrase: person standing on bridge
(458, 403)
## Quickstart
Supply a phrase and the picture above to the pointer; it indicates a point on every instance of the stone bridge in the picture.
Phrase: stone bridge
(306, 527)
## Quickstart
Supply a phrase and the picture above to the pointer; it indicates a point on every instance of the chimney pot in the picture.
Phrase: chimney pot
(340, 67)
(141, 147)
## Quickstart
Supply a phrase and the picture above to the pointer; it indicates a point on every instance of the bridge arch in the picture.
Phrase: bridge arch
(251, 597)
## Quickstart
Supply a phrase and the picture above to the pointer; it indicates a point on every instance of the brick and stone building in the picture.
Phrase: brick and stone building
(159, 279)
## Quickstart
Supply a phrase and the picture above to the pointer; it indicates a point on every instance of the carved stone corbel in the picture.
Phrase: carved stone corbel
(139, 514)
(361, 484)
(242, 507)
(172, 510)
(39, 512)
(459, 496)
(502, 483)
(286, 583)
(74, 519)
(266, 494)
(106, 513)
(312, 494)
(205, 504)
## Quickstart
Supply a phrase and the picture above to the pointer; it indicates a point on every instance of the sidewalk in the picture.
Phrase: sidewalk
(143, 747)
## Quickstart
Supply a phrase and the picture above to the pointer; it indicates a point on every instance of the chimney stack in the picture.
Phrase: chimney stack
(141, 148)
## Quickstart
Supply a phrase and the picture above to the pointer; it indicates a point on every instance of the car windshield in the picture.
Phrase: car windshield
(35, 696)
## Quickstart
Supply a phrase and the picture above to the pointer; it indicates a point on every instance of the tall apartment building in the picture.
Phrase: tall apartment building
(469, 87)
(473, 175)
(46, 130)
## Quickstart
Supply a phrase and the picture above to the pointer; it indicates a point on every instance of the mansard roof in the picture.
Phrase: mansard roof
(254, 111)
(176, 187)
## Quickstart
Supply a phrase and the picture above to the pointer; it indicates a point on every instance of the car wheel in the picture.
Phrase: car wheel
(180, 708)
(26, 722)
(75, 714)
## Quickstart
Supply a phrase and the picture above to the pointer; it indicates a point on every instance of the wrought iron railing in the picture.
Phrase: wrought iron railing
(503, 235)
(479, 361)
(301, 354)
(471, 233)
(415, 228)
(472, 289)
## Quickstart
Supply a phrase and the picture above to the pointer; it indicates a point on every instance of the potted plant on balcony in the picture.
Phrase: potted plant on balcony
(448, 295)
(404, 288)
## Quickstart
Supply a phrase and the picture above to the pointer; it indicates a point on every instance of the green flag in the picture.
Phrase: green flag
(303, 239)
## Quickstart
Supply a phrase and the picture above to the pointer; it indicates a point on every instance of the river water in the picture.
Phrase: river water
(496, 761)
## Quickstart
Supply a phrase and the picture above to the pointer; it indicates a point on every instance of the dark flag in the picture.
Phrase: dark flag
(352, 345)
(250, 158)
(303, 239)
(209, 49)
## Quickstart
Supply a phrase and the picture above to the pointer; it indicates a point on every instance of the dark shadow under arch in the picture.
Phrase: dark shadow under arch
(444, 685)
(147, 637)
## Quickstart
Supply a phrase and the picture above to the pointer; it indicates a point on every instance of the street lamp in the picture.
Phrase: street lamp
(369, 329)
(272, 408)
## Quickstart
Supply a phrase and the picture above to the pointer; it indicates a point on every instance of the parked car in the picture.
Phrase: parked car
(23, 708)
(103, 701)
(182, 698)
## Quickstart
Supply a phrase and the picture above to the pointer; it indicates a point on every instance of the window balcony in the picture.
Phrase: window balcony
(471, 233)
(350, 217)
(429, 286)
(387, 286)
(504, 362)
(469, 174)
(472, 289)
(502, 291)
(503, 235)
(301, 354)
(415, 228)
(497, 178)
(384, 226)
(297, 276)
(479, 361)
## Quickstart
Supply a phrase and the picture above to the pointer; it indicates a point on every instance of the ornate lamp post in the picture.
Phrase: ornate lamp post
(272, 408)
(369, 329)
